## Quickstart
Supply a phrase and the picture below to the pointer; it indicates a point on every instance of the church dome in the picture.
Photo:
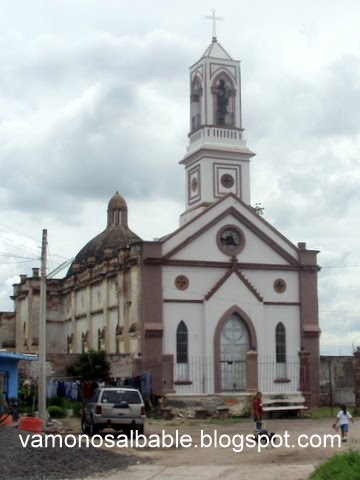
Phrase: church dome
(116, 235)
(117, 201)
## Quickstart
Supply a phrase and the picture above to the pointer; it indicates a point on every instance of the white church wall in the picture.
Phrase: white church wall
(232, 292)
(200, 281)
(192, 315)
(289, 315)
(205, 247)
(264, 283)
(206, 182)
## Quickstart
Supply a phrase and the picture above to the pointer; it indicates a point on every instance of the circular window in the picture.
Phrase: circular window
(227, 180)
(181, 282)
(230, 240)
(279, 285)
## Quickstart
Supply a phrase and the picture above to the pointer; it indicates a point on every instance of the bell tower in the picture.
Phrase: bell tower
(217, 159)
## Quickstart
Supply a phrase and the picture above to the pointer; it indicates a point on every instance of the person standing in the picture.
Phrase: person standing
(257, 411)
(342, 418)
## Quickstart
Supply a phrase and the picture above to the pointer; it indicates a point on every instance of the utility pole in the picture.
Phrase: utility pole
(42, 332)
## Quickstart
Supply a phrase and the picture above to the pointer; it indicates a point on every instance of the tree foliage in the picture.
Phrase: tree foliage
(259, 209)
(92, 365)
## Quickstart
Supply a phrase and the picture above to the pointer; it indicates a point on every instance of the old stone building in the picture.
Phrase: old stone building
(224, 304)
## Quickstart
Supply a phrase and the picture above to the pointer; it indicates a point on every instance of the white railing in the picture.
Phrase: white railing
(216, 134)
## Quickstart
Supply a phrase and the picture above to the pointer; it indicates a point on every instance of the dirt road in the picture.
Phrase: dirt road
(179, 450)
(302, 445)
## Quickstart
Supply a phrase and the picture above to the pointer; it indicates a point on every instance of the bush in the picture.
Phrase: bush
(343, 466)
(77, 408)
(56, 412)
(65, 404)
(56, 402)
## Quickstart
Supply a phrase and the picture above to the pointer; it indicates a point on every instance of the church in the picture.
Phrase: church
(225, 304)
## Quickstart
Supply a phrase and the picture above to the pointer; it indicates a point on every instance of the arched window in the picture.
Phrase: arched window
(182, 343)
(224, 100)
(25, 334)
(84, 342)
(70, 340)
(182, 356)
(280, 346)
(101, 339)
(195, 105)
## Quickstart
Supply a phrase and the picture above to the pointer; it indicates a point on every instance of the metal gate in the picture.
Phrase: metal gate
(234, 343)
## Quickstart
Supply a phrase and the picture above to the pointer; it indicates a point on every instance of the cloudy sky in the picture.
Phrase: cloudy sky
(94, 98)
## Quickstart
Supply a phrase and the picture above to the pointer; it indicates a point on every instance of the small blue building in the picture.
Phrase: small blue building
(9, 373)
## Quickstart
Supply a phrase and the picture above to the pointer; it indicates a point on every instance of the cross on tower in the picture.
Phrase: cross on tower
(213, 18)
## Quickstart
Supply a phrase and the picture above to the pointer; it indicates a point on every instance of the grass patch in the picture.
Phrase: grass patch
(324, 412)
(327, 412)
(342, 466)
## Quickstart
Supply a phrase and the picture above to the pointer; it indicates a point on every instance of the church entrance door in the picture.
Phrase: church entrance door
(234, 343)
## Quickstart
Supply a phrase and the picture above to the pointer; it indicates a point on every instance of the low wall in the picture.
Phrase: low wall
(187, 404)
(337, 385)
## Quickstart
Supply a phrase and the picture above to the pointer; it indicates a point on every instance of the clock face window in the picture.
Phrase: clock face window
(181, 282)
(279, 285)
(227, 180)
(231, 240)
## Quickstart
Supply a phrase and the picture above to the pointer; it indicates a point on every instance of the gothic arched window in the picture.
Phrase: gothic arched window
(182, 349)
(280, 349)
(224, 101)
(195, 105)
(182, 343)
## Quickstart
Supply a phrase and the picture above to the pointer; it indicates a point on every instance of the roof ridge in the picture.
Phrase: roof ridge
(227, 53)
(207, 52)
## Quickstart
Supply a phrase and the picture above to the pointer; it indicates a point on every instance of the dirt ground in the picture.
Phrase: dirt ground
(289, 459)
(285, 459)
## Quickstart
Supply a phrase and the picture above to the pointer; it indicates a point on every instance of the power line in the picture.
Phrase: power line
(11, 255)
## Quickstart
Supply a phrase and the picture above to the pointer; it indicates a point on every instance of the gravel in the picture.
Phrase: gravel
(54, 463)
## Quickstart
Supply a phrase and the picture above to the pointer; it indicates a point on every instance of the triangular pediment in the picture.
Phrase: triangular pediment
(233, 270)
(196, 239)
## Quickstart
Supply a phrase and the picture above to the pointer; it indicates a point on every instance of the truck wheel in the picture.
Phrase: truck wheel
(94, 429)
(84, 426)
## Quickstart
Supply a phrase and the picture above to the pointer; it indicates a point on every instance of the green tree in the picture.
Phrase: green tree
(92, 365)
(259, 209)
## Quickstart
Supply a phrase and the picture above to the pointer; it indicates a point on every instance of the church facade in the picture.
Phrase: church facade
(224, 304)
